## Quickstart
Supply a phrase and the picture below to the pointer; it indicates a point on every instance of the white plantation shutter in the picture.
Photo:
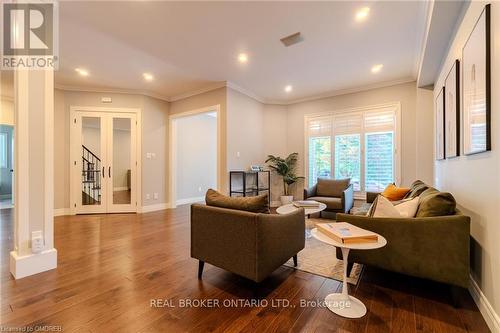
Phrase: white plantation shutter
(320, 126)
(348, 123)
(380, 120)
(360, 145)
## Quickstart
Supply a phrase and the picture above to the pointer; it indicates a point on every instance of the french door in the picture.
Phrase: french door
(104, 162)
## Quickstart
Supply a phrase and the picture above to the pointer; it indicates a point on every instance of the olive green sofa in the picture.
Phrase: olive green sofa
(435, 248)
(249, 244)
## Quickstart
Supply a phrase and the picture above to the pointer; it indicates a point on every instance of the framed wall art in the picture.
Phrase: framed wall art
(476, 87)
(440, 128)
(452, 111)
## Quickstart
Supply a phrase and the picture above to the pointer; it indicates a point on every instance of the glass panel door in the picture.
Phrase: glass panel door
(90, 161)
(122, 167)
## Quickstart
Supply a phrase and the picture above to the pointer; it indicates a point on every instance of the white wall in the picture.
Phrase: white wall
(196, 155)
(154, 140)
(475, 180)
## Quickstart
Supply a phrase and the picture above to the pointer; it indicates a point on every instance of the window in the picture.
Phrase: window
(320, 155)
(348, 158)
(361, 145)
(3, 150)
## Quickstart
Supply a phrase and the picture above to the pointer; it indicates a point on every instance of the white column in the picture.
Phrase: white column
(34, 172)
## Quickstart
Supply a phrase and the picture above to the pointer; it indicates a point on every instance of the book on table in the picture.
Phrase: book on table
(347, 233)
(306, 203)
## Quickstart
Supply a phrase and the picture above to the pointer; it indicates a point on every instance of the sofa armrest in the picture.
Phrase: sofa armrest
(348, 198)
(428, 247)
(370, 196)
(279, 237)
(225, 238)
(310, 192)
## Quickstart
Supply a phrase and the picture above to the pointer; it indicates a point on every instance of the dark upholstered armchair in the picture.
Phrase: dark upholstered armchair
(336, 194)
(252, 245)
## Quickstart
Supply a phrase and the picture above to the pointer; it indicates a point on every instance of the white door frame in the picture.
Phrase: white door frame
(74, 155)
(172, 149)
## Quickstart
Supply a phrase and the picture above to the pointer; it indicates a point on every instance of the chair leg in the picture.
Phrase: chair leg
(295, 260)
(201, 264)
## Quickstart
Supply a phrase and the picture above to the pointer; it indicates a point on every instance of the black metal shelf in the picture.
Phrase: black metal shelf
(246, 188)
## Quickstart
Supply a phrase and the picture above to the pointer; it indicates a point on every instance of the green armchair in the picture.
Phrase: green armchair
(336, 194)
(251, 245)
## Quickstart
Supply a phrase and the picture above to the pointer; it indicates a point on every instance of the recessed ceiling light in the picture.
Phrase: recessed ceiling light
(148, 76)
(377, 68)
(288, 88)
(243, 58)
(362, 14)
(82, 72)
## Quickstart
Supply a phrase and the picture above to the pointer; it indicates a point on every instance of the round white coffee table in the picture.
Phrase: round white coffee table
(341, 303)
(290, 208)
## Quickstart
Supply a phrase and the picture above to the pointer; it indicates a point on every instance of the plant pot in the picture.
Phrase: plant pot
(286, 199)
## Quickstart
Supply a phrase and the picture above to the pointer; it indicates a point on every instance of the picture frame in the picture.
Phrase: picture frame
(452, 111)
(440, 125)
(476, 87)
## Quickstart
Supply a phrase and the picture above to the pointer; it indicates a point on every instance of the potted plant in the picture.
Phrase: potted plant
(286, 169)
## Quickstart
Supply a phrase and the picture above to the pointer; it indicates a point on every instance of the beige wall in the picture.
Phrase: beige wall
(7, 111)
(404, 93)
(154, 138)
(475, 180)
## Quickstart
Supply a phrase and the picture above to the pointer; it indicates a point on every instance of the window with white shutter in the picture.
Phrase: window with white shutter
(358, 144)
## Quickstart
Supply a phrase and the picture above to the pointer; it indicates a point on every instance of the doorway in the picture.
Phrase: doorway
(195, 155)
(104, 161)
(6, 165)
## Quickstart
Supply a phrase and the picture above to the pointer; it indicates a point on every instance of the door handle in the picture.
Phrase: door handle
(109, 172)
(103, 174)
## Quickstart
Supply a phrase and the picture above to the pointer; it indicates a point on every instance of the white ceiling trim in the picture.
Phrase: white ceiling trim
(111, 91)
(239, 89)
(350, 90)
(424, 34)
(208, 88)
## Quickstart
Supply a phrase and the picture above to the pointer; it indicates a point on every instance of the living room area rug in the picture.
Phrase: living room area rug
(320, 258)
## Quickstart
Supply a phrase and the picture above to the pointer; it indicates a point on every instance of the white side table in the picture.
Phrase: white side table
(341, 303)
(290, 208)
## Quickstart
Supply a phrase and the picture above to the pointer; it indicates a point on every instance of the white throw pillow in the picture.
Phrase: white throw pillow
(382, 207)
(408, 208)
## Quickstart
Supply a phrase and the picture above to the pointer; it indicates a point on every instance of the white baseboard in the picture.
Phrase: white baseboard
(22, 266)
(189, 200)
(155, 207)
(62, 211)
(124, 188)
(489, 314)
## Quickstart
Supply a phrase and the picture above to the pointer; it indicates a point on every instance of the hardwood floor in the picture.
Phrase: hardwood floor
(110, 267)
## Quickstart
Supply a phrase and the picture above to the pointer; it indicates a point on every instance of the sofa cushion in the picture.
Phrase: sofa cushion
(331, 187)
(435, 203)
(416, 189)
(330, 202)
(394, 193)
(382, 207)
(256, 204)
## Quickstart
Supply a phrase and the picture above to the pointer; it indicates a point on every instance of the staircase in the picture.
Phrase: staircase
(91, 178)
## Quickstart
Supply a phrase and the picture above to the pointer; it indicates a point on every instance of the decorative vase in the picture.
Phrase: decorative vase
(286, 199)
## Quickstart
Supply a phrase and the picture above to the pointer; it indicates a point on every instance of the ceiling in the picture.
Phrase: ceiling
(189, 46)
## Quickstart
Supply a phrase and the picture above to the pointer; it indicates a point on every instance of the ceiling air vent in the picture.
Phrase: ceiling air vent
(292, 39)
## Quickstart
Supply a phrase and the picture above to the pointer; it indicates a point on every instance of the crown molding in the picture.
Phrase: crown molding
(246, 92)
(351, 90)
(192, 93)
(235, 87)
(111, 91)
